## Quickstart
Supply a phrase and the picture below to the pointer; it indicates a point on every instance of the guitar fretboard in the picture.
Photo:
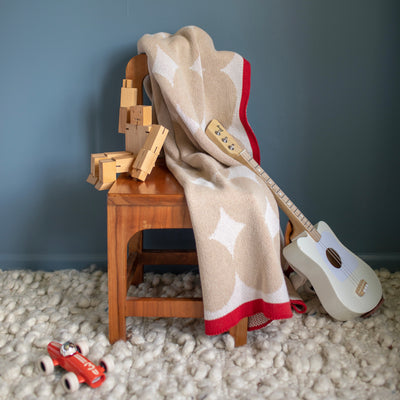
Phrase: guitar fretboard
(289, 208)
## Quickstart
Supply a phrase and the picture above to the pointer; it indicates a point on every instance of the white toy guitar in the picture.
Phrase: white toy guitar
(346, 286)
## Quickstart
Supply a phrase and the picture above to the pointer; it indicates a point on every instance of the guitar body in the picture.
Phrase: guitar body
(346, 286)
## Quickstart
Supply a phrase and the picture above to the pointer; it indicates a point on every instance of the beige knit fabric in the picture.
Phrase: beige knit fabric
(234, 215)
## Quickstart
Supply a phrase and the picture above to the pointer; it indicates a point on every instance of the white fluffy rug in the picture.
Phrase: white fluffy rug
(307, 357)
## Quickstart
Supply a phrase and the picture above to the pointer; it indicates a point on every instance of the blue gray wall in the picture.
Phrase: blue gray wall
(324, 105)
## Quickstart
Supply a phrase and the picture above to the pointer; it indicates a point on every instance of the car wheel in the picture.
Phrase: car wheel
(45, 365)
(70, 382)
(107, 363)
(83, 347)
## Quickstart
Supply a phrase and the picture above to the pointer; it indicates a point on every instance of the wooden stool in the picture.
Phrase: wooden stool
(132, 207)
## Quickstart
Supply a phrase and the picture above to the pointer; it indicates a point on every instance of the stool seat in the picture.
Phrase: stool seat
(160, 185)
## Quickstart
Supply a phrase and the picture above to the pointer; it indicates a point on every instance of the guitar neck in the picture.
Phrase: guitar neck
(297, 218)
(229, 145)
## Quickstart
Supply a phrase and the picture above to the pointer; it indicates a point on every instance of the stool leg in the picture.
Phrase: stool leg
(117, 244)
(239, 332)
(135, 246)
(113, 312)
(122, 245)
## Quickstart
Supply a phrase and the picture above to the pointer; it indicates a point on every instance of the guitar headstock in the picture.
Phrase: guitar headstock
(225, 141)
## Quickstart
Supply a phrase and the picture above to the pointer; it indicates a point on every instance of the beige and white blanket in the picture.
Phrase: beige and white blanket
(234, 215)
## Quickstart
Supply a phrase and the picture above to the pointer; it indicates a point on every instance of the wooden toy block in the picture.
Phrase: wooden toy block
(107, 174)
(141, 115)
(104, 186)
(135, 137)
(124, 163)
(123, 119)
(108, 170)
(147, 156)
(128, 94)
(128, 83)
(102, 173)
(94, 167)
(113, 154)
(144, 161)
(156, 138)
(139, 175)
(92, 179)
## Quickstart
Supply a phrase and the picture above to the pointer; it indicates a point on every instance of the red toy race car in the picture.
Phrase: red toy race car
(72, 358)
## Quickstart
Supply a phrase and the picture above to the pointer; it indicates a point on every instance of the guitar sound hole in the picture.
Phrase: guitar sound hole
(334, 258)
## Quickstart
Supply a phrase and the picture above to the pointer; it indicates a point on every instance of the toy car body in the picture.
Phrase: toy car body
(72, 358)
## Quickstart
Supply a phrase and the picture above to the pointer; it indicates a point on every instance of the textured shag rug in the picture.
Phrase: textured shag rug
(309, 357)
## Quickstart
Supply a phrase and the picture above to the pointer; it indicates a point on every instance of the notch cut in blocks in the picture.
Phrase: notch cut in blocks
(137, 115)
(123, 119)
(128, 99)
(141, 115)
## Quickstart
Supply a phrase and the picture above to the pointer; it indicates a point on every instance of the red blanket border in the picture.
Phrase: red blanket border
(271, 310)
(243, 110)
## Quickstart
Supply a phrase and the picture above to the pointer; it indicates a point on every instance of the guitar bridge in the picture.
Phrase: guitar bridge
(362, 288)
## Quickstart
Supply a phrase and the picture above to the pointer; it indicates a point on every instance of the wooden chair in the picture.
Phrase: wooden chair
(132, 207)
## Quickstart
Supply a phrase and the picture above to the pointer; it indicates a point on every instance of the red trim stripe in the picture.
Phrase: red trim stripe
(243, 110)
(270, 310)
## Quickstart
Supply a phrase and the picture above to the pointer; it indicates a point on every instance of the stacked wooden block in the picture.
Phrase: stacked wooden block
(143, 143)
